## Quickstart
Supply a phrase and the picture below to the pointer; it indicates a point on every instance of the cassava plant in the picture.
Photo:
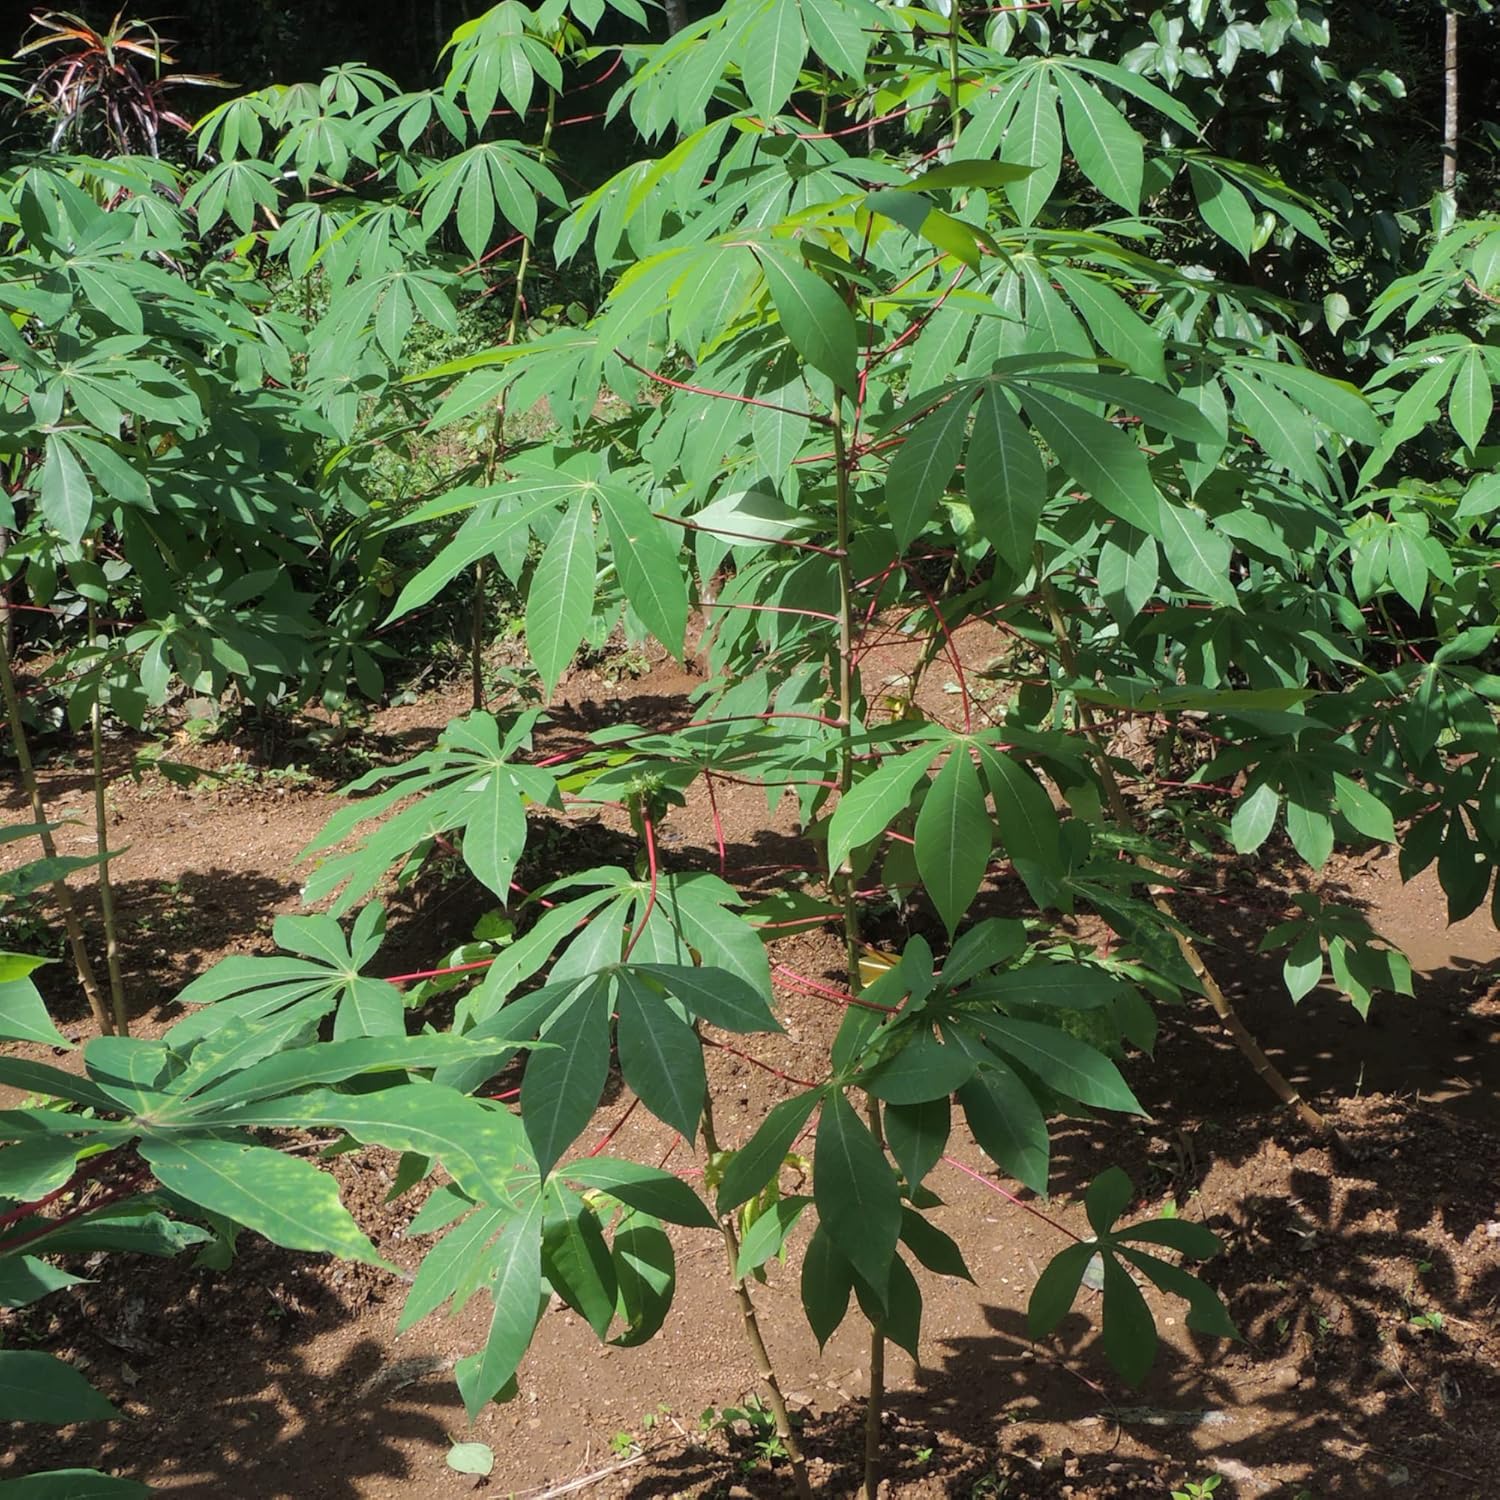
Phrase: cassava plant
(890, 357)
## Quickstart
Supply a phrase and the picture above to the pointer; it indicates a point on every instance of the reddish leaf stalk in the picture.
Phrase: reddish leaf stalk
(649, 828)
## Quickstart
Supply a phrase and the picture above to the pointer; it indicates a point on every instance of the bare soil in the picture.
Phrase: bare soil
(1366, 1283)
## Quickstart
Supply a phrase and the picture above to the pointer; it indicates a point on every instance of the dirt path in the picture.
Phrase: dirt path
(1366, 1288)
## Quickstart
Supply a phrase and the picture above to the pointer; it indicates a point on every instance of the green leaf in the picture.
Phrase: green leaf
(718, 996)
(25, 1279)
(872, 805)
(23, 1016)
(1057, 1287)
(1254, 817)
(1307, 822)
(1129, 569)
(953, 837)
(1099, 457)
(917, 1135)
(1369, 815)
(1471, 403)
(72, 1484)
(816, 320)
(827, 1281)
(36, 1387)
(495, 833)
(1005, 480)
(1224, 207)
(922, 1070)
(1198, 555)
(660, 1056)
(67, 499)
(1114, 323)
(471, 1458)
(288, 1200)
(759, 1160)
(770, 55)
(1027, 822)
(1108, 1196)
(1073, 1068)
(1107, 150)
(650, 1190)
(1007, 1123)
(646, 1275)
(577, 1264)
(1303, 966)
(33, 1168)
(1206, 1313)
(922, 467)
(859, 1201)
(560, 1089)
(1129, 1329)
(934, 1249)
(649, 565)
(514, 1282)
(767, 1236)
(1034, 138)
(560, 600)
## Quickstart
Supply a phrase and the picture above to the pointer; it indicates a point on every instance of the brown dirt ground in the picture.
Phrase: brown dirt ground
(285, 1378)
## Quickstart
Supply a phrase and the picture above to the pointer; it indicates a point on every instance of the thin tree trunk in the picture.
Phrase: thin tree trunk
(1450, 102)
(677, 16)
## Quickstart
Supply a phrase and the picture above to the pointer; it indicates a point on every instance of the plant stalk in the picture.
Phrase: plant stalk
(1213, 992)
(101, 847)
(843, 885)
(753, 1336)
(1450, 101)
(60, 892)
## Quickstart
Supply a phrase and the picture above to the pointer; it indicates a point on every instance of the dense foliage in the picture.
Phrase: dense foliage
(903, 319)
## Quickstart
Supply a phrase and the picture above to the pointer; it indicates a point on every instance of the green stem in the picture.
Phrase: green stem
(60, 892)
(843, 885)
(101, 847)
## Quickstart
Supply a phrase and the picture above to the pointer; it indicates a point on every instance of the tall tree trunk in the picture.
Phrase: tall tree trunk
(1450, 102)
(677, 16)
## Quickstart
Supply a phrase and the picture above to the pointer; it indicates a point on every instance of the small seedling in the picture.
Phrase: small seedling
(1198, 1489)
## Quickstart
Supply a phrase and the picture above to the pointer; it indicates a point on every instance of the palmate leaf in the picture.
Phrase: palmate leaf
(325, 979)
(469, 784)
(1129, 1330)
